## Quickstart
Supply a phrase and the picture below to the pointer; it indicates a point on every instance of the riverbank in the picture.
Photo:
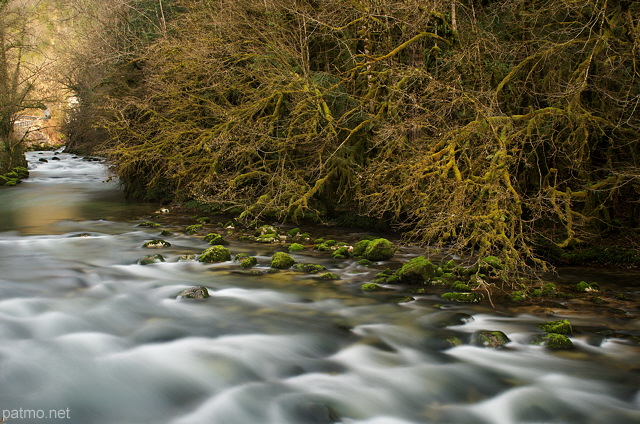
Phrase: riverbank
(608, 293)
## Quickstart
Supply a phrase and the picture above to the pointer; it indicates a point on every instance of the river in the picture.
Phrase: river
(89, 336)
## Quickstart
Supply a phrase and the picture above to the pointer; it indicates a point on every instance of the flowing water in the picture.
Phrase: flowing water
(87, 335)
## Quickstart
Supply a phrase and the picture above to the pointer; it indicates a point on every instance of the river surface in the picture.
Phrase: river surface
(87, 335)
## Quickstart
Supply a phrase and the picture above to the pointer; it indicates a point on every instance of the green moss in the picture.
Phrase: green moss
(401, 299)
(249, 262)
(453, 341)
(166, 233)
(330, 276)
(360, 247)
(151, 259)
(305, 236)
(379, 250)
(341, 253)
(552, 341)
(418, 270)
(309, 268)
(215, 254)
(461, 297)
(491, 263)
(215, 239)
(282, 260)
(518, 296)
(192, 229)
(266, 229)
(267, 238)
(583, 287)
(156, 244)
(371, 287)
(459, 286)
(241, 257)
(296, 247)
(293, 232)
(548, 290)
(318, 241)
(558, 327)
(204, 220)
(365, 262)
(148, 224)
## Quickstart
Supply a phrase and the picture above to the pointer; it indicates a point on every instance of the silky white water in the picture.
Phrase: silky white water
(89, 334)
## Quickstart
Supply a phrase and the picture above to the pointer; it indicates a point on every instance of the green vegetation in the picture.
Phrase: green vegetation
(215, 239)
(557, 327)
(192, 229)
(282, 260)
(249, 262)
(309, 268)
(151, 259)
(583, 287)
(296, 247)
(497, 129)
(156, 244)
(553, 341)
(215, 254)
(371, 287)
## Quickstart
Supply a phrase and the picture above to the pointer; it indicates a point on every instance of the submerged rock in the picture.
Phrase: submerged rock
(148, 224)
(151, 259)
(194, 293)
(491, 339)
(215, 254)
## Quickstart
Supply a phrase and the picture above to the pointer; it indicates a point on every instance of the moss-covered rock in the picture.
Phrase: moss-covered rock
(192, 229)
(187, 258)
(149, 224)
(341, 253)
(379, 250)
(266, 229)
(194, 293)
(204, 220)
(365, 262)
(282, 260)
(249, 262)
(326, 246)
(548, 290)
(584, 287)
(462, 297)
(267, 238)
(241, 257)
(330, 276)
(418, 270)
(558, 327)
(215, 254)
(460, 286)
(309, 268)
(371, 287)
(490, 265)
(296, 247)
(215, 239)
(491, 339)
(156, 244)
(518, 296)
(293, 232)
(151, 259)
(552, 341)
(166, 233)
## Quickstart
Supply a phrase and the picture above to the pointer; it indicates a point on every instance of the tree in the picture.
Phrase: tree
(16, 79)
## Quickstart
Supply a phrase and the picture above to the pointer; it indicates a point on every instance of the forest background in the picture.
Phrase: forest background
(506, 128)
